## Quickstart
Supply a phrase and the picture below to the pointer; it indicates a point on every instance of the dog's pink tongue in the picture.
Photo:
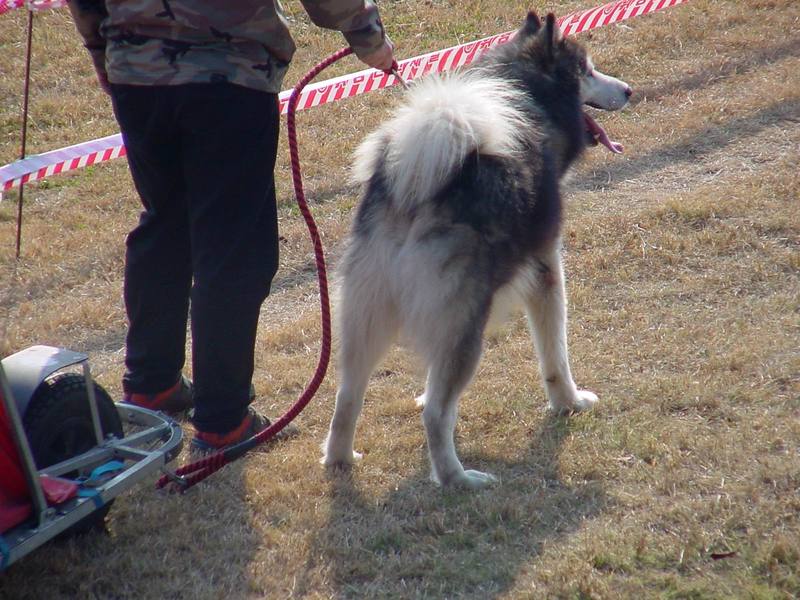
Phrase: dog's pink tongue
(599, 134)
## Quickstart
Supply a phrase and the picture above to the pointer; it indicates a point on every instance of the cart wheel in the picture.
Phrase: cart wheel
(58, 425)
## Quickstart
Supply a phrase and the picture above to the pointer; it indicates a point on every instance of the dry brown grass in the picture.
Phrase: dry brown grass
(682, 262)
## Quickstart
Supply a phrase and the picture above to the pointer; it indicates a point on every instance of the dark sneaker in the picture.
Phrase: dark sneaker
(177, 399)
(254, 423)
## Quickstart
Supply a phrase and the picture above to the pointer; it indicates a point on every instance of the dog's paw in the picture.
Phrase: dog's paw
(337, 450)
(420, 400)
(473, 480)
(580, 401)
(330, 461)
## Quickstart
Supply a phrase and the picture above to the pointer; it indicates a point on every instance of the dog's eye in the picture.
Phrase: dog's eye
(589, 72)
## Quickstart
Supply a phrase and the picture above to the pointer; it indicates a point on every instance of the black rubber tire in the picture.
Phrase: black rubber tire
(58, 425)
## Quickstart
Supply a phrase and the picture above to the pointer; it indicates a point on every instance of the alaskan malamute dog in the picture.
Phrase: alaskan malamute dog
(459, 219)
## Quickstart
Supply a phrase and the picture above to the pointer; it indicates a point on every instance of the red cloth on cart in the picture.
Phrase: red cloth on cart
(57, 490)
(15, 505)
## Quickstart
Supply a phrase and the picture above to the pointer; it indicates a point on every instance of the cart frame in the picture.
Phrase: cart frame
(20, 375)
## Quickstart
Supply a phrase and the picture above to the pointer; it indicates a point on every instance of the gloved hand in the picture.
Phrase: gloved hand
(382, 58)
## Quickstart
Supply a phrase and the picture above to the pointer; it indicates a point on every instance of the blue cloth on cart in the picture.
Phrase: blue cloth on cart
(97, 478)
(5, 554)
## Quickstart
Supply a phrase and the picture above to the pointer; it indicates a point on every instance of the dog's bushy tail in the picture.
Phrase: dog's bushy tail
(445, 119)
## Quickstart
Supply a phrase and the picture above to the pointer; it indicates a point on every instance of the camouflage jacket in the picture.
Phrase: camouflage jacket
(245, 42)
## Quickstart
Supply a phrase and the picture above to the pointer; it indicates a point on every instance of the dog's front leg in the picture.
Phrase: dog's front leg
(547, 316)
(338, 446)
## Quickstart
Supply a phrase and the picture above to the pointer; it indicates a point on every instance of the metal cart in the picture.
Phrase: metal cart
(88, 449)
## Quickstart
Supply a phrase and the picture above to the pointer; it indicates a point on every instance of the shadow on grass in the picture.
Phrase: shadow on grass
(421, 541)
(688, 151)
(710, 73)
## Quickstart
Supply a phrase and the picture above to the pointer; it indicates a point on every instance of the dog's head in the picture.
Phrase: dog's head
(566, 62)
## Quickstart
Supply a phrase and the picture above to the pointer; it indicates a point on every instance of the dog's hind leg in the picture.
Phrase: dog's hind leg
(450, 372)
(547, 315)
(368, 328)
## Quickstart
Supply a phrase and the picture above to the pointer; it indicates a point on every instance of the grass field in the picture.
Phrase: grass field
(683, 275)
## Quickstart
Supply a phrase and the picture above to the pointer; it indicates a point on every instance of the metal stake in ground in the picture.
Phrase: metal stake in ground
(25, 95)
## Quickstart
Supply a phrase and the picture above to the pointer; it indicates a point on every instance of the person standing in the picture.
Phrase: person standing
(194, 87)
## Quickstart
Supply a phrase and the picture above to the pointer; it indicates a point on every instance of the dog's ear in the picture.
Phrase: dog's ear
(532, 24)
(552, 35)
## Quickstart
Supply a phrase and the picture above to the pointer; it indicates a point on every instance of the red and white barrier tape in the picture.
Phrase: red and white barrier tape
(7, 5)
(54, 162)
(44, 165)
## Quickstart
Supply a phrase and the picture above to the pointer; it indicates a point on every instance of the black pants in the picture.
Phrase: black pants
(202, 158)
